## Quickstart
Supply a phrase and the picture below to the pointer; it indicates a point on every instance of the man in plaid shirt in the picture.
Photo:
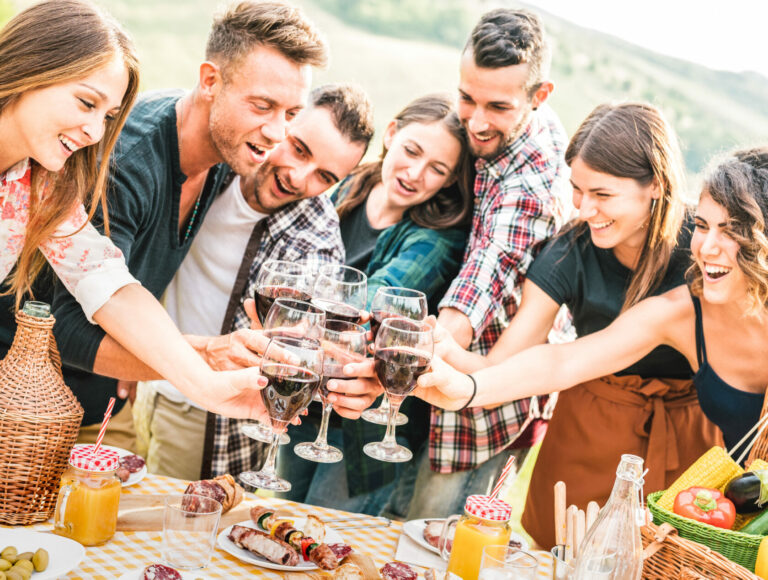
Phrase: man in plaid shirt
(521, 198)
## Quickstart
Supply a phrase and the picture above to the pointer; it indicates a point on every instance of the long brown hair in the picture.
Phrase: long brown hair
(54, 42)
(449, 207)
(633, 140)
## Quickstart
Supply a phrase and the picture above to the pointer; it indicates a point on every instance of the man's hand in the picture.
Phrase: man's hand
(127, 390)
(443, 386)
(458, 325)
(353, 396)
(237, 350)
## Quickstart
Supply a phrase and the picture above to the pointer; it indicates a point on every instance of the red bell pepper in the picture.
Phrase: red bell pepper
(707, 506)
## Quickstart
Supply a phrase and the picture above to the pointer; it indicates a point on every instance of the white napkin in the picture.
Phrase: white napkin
(410, 552)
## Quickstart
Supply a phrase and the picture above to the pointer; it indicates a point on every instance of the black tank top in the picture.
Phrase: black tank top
(734, 411)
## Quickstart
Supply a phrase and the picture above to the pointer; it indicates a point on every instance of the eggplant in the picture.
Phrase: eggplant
(749, 491)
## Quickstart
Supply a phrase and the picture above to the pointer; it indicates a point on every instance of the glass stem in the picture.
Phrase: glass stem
(322, 436)
(269, 462)
(384, 407)
(389, 436)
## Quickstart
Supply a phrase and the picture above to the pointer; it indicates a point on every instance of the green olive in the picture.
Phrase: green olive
(5, 565)
(40, 560)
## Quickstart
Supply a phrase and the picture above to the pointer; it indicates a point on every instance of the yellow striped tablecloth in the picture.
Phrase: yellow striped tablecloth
(130, 550)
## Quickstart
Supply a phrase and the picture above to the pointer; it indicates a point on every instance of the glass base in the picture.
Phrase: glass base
(264, 480)
(312, 452)
(379, 416)
(262, 433)
(391, 453)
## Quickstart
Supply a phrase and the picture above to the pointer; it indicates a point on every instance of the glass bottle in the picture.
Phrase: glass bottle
(613, 549)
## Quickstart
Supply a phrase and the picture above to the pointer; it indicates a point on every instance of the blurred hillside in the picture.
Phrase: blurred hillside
(399, 49)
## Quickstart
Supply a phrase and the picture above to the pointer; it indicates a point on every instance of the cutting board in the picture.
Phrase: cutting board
(144, 513)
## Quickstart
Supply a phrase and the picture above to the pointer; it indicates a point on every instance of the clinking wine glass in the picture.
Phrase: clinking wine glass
(403, 351)
(279, 278)
(343, 343)
(393, 301)
(293, 368)
(342, 291)
(291, 318)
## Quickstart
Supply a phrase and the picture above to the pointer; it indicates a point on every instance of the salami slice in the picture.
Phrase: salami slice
(122, 473)
(133, 463)
(398, 571)
(160, 572)
(207, 488)
(341, 551)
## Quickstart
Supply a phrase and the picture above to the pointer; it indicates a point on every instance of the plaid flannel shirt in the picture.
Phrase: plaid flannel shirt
(521, 198)
(305, 232)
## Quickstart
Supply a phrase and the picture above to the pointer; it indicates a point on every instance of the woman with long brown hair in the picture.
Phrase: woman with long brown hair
(68, 77)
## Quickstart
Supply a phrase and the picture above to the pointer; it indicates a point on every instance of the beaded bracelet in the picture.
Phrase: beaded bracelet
(474, 392)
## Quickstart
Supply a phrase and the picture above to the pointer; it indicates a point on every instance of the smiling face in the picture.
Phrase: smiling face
(616, 209)
(421, 159)
(256, 100)
(52, 123)
(715, 252)
(313, 157)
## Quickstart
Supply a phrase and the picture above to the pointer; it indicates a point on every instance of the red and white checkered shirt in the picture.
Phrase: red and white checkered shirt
(522, 197)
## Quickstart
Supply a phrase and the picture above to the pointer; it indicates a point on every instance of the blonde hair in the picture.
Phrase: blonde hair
(739, 183)
(633, 140)
(49, 43)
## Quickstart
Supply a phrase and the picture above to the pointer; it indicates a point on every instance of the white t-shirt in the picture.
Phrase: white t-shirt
(197, 297)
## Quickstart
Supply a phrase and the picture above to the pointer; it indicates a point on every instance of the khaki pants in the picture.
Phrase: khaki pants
(176, 439)
(120, 432)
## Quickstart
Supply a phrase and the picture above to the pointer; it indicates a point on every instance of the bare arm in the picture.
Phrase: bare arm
(457, 324)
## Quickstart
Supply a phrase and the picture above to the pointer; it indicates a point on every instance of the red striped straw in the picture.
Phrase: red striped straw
(502, 477)
(103, 428)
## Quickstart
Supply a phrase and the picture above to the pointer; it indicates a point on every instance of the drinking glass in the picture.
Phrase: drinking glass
(293, 368)
(292, 318)
(393, 301)
(278, 278)
(403, 351)
(190, 523)
(503, 562)
(343, 343)
(342, 291)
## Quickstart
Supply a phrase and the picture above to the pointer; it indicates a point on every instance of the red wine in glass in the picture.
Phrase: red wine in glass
(398, 369)
(289, 391)
(338, 310)
(265, 297)
(379, 316)
(330, 371)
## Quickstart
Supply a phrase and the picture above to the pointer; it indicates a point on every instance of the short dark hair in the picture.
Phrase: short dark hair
(253, 23)
(505, 37)
(350, 109)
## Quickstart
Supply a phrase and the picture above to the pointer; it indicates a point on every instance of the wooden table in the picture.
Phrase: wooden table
(130, 550)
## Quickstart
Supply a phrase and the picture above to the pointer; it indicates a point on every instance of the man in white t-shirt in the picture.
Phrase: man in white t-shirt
(276, 213)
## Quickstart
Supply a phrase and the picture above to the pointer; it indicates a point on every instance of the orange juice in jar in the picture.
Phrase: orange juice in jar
(485, 523)
(89, 497)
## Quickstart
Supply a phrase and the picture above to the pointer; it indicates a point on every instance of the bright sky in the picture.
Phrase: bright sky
(728, 35)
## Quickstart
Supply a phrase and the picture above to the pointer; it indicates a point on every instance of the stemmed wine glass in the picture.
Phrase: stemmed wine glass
(279, 278)
(388, 302)
(343, 343)
(294, 368)
(403, 351)
(342, 291)
(292, 318)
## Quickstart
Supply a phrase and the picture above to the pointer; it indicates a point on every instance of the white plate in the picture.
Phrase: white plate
(63, 554)
(414, 529)
(135, 574)
(331, 537)
(134, 478)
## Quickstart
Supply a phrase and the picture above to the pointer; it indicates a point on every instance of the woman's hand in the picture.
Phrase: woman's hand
(353, 396)
(240, 349)
(445, 345)
(236, 394)
(443, 386)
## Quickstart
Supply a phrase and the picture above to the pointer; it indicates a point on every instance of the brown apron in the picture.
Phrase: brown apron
(595, 422)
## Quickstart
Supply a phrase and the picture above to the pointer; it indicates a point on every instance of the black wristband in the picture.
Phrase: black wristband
(474, 392)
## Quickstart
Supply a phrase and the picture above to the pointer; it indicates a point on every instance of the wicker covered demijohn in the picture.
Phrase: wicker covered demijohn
(39, 420)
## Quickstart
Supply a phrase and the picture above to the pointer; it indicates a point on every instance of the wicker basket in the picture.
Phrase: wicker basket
(39, 423)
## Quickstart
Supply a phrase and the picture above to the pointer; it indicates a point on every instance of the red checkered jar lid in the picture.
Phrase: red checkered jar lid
(82, 457)
(495, 510)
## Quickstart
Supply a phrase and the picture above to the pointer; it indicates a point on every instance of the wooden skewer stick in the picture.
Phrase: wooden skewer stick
(592, 510)
(570, 531)
(581, 524)
(560, 513)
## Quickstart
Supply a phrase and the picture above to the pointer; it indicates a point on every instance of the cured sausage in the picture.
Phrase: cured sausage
(160, 572)
(398, 571)
(133, 463)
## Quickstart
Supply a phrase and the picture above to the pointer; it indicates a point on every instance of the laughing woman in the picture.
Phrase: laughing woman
(68, 77)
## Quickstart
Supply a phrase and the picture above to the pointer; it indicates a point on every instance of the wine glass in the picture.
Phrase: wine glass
(403, 351)
(293, 368)
(388, 302)
(291, 318)
(342, 291)
(278, 278)
(343, 343)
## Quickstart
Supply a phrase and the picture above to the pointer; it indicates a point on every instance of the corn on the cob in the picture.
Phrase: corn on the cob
(714, 469)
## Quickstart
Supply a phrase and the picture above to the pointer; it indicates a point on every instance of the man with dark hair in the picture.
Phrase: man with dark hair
(168, 168)
(276, 213)
(522, 197)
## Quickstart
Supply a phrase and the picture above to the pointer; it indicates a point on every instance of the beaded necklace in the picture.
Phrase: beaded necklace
(200, 194)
